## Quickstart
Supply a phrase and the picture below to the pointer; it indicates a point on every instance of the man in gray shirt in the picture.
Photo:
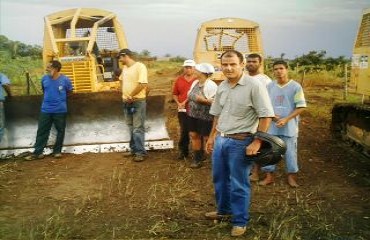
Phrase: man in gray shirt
(241, 107)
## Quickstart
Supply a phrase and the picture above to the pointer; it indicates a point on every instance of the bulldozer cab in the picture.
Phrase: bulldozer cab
(360, 71)
(350, 121)
(219, 35)
(86, 42)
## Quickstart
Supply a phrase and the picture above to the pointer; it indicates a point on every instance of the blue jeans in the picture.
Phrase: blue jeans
(2, 120)
(291, 163)
(135, 114)
(232, 187)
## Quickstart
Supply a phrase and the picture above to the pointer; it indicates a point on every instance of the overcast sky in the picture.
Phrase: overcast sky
(164, 27)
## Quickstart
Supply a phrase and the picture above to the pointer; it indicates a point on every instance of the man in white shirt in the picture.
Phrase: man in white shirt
(254, 63)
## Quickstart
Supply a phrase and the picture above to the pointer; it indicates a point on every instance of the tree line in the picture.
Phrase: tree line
(13, 49)
(315, 62)
(16, 53)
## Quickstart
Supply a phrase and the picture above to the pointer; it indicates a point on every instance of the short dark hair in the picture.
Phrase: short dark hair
(280, 62)
(255, 55)
(124, 52)
(56, 65)
(231, 53)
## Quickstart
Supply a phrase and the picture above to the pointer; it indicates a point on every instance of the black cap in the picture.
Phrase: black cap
(124, 52)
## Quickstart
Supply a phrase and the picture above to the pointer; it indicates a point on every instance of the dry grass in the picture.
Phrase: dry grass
(164, 199)
(292, 215)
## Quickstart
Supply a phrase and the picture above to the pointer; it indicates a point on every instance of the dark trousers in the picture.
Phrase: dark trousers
(46, 120)
(184, 133)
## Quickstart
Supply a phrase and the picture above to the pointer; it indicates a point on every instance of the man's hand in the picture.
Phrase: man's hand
(276, 118)
(203, 100)
(253, 148)
(199, 98)
(209, 145)
(281, 122)
(181, 105)
(130, 99)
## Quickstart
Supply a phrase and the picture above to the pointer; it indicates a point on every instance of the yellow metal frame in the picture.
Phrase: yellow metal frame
(360, 73)
(82, 69)
(234, 29)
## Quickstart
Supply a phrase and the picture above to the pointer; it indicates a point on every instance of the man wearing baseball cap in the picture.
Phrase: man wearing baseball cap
(134, 81)
(180, 95)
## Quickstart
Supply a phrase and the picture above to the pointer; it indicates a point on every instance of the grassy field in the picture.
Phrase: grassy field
(107, 196)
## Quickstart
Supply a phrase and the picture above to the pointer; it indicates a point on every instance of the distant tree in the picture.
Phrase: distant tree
(5, 47)
(145, 53)
(330, 63)
(14, 49)
(4, 42)
(177, 59)
(316, 62)
(310, 62)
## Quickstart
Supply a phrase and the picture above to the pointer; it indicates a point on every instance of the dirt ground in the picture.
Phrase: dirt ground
(107, 196)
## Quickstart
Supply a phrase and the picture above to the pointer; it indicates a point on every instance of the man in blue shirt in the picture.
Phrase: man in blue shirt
(288, 100)
(56, 87)
(5, 83)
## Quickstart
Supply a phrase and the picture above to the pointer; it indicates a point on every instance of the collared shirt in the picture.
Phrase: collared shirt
(55, 93)
(131, 77)
(239, 108)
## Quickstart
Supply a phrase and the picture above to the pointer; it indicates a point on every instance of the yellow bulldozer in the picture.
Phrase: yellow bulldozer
(351, 121)
(219, 35)
(86, 42)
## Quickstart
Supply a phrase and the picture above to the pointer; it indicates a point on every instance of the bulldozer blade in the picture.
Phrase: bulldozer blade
(95, 123)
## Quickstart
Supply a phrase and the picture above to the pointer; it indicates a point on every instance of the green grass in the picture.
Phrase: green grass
(16, 69)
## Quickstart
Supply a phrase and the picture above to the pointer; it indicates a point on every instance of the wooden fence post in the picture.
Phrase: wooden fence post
(345, 82)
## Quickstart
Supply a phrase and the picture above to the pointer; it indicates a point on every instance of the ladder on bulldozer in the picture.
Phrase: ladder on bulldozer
(80, 75)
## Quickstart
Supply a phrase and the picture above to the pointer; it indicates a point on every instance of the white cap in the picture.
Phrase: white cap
(189, 63)
(205, 68)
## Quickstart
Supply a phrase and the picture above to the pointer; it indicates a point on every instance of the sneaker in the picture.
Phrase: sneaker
(138, 158)
(237, 231)
(195, 165)
(128, 154)
(182, 156)
(57, 155)
(216, 216)
(34, 157)
(204, 158)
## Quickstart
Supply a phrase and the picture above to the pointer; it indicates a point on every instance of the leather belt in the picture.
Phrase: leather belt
(237, 136)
